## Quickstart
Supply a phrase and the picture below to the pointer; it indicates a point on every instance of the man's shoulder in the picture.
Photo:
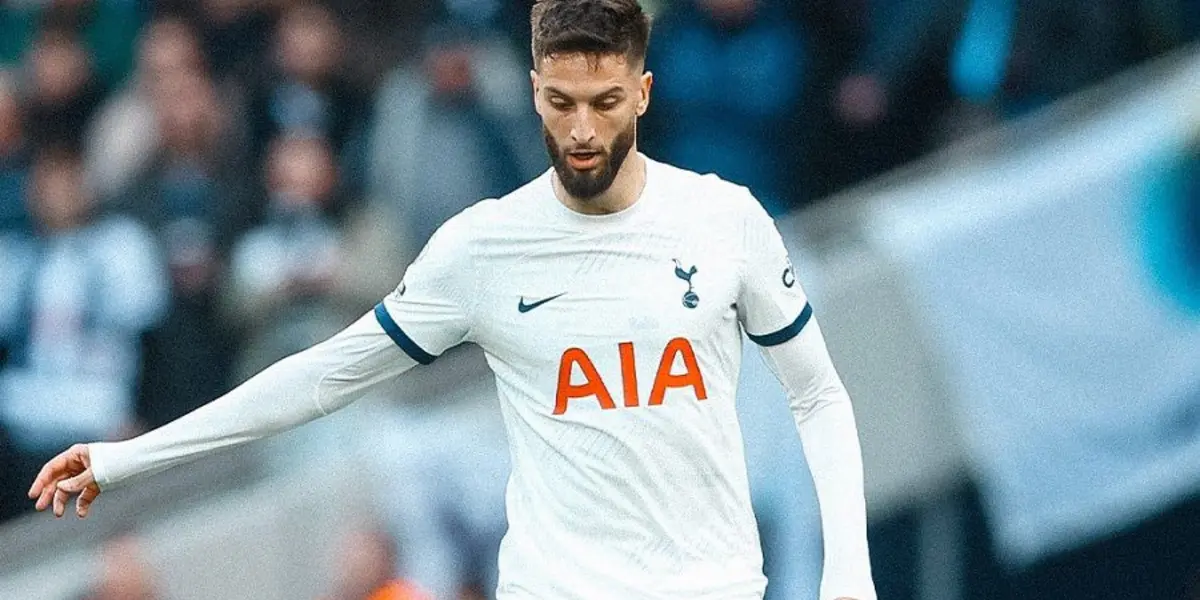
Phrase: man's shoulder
(490, 216)
(707, 195)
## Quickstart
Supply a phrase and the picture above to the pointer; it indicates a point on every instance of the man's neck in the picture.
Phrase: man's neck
(625, 190)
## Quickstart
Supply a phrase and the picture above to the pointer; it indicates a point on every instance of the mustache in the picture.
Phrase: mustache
(589, 149)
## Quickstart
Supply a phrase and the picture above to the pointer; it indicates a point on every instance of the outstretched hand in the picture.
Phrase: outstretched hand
(65, 475)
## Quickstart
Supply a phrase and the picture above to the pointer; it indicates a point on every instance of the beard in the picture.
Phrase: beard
(586, 185)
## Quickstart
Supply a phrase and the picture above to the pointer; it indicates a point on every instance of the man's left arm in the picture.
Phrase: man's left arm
(775, 313)
(825, 420)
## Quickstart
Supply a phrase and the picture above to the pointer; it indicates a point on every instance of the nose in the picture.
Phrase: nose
(583, 129)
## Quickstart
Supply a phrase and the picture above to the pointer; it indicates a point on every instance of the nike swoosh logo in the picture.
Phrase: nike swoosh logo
(524, 308)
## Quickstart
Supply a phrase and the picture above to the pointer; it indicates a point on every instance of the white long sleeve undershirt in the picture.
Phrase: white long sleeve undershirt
(825, 420)
(289, 393)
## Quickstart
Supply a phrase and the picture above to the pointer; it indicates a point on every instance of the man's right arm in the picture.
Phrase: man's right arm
(426, 315)
(289, 393)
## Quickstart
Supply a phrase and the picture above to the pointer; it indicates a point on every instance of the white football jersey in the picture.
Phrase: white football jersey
(616, 344)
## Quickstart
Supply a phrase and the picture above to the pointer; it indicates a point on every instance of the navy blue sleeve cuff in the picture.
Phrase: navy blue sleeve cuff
(785, 334)
(406, 343)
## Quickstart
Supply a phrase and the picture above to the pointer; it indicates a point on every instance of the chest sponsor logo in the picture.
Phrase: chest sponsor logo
(594, 387)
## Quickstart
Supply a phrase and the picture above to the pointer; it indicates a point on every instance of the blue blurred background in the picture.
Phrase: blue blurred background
(995, 205)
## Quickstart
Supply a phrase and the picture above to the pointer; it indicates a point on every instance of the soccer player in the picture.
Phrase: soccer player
(609, 296)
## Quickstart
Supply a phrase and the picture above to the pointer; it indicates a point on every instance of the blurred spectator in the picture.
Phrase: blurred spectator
(888, 92)
(124, 574)
(193, 194)
(305, 92)
(381, 34)
(106, 28)
(124, 135)
(445, 477)
(451, 130)
(82, 289)
(236, 36)
(508, 19)
(934, 70)
(367, 560)
(284, 272)
(729, 80)
(194, 172)
(63, 90)
(14, 157)
(1056, 47)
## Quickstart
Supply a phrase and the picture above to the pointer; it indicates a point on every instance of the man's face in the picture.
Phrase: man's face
(589, 107)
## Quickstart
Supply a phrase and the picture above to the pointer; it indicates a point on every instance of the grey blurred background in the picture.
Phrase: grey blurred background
(995, 206)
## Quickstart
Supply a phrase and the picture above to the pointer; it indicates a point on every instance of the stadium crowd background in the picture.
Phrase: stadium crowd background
(190, 190)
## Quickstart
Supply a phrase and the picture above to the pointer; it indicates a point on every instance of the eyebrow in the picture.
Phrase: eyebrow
(615, 90)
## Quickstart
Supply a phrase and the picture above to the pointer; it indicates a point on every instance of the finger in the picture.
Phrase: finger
(47, 495)
(47, 475)
(77, 483)
(61, 497)
(86, 497)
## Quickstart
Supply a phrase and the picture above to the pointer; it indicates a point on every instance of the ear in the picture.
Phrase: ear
(536, 81)
(647, 82)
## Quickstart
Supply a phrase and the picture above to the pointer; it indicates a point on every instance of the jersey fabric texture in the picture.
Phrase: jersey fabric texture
(616, 345)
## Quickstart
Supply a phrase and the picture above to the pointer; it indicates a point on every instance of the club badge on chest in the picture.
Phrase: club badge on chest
(690, 298)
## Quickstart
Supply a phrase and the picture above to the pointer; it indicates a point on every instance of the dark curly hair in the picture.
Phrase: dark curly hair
(595, 27)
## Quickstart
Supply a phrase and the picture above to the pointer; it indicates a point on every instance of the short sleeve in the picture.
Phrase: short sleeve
(430, 312)
(772, 305)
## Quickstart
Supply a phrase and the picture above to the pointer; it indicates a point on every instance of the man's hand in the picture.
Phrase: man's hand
(67, 474)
